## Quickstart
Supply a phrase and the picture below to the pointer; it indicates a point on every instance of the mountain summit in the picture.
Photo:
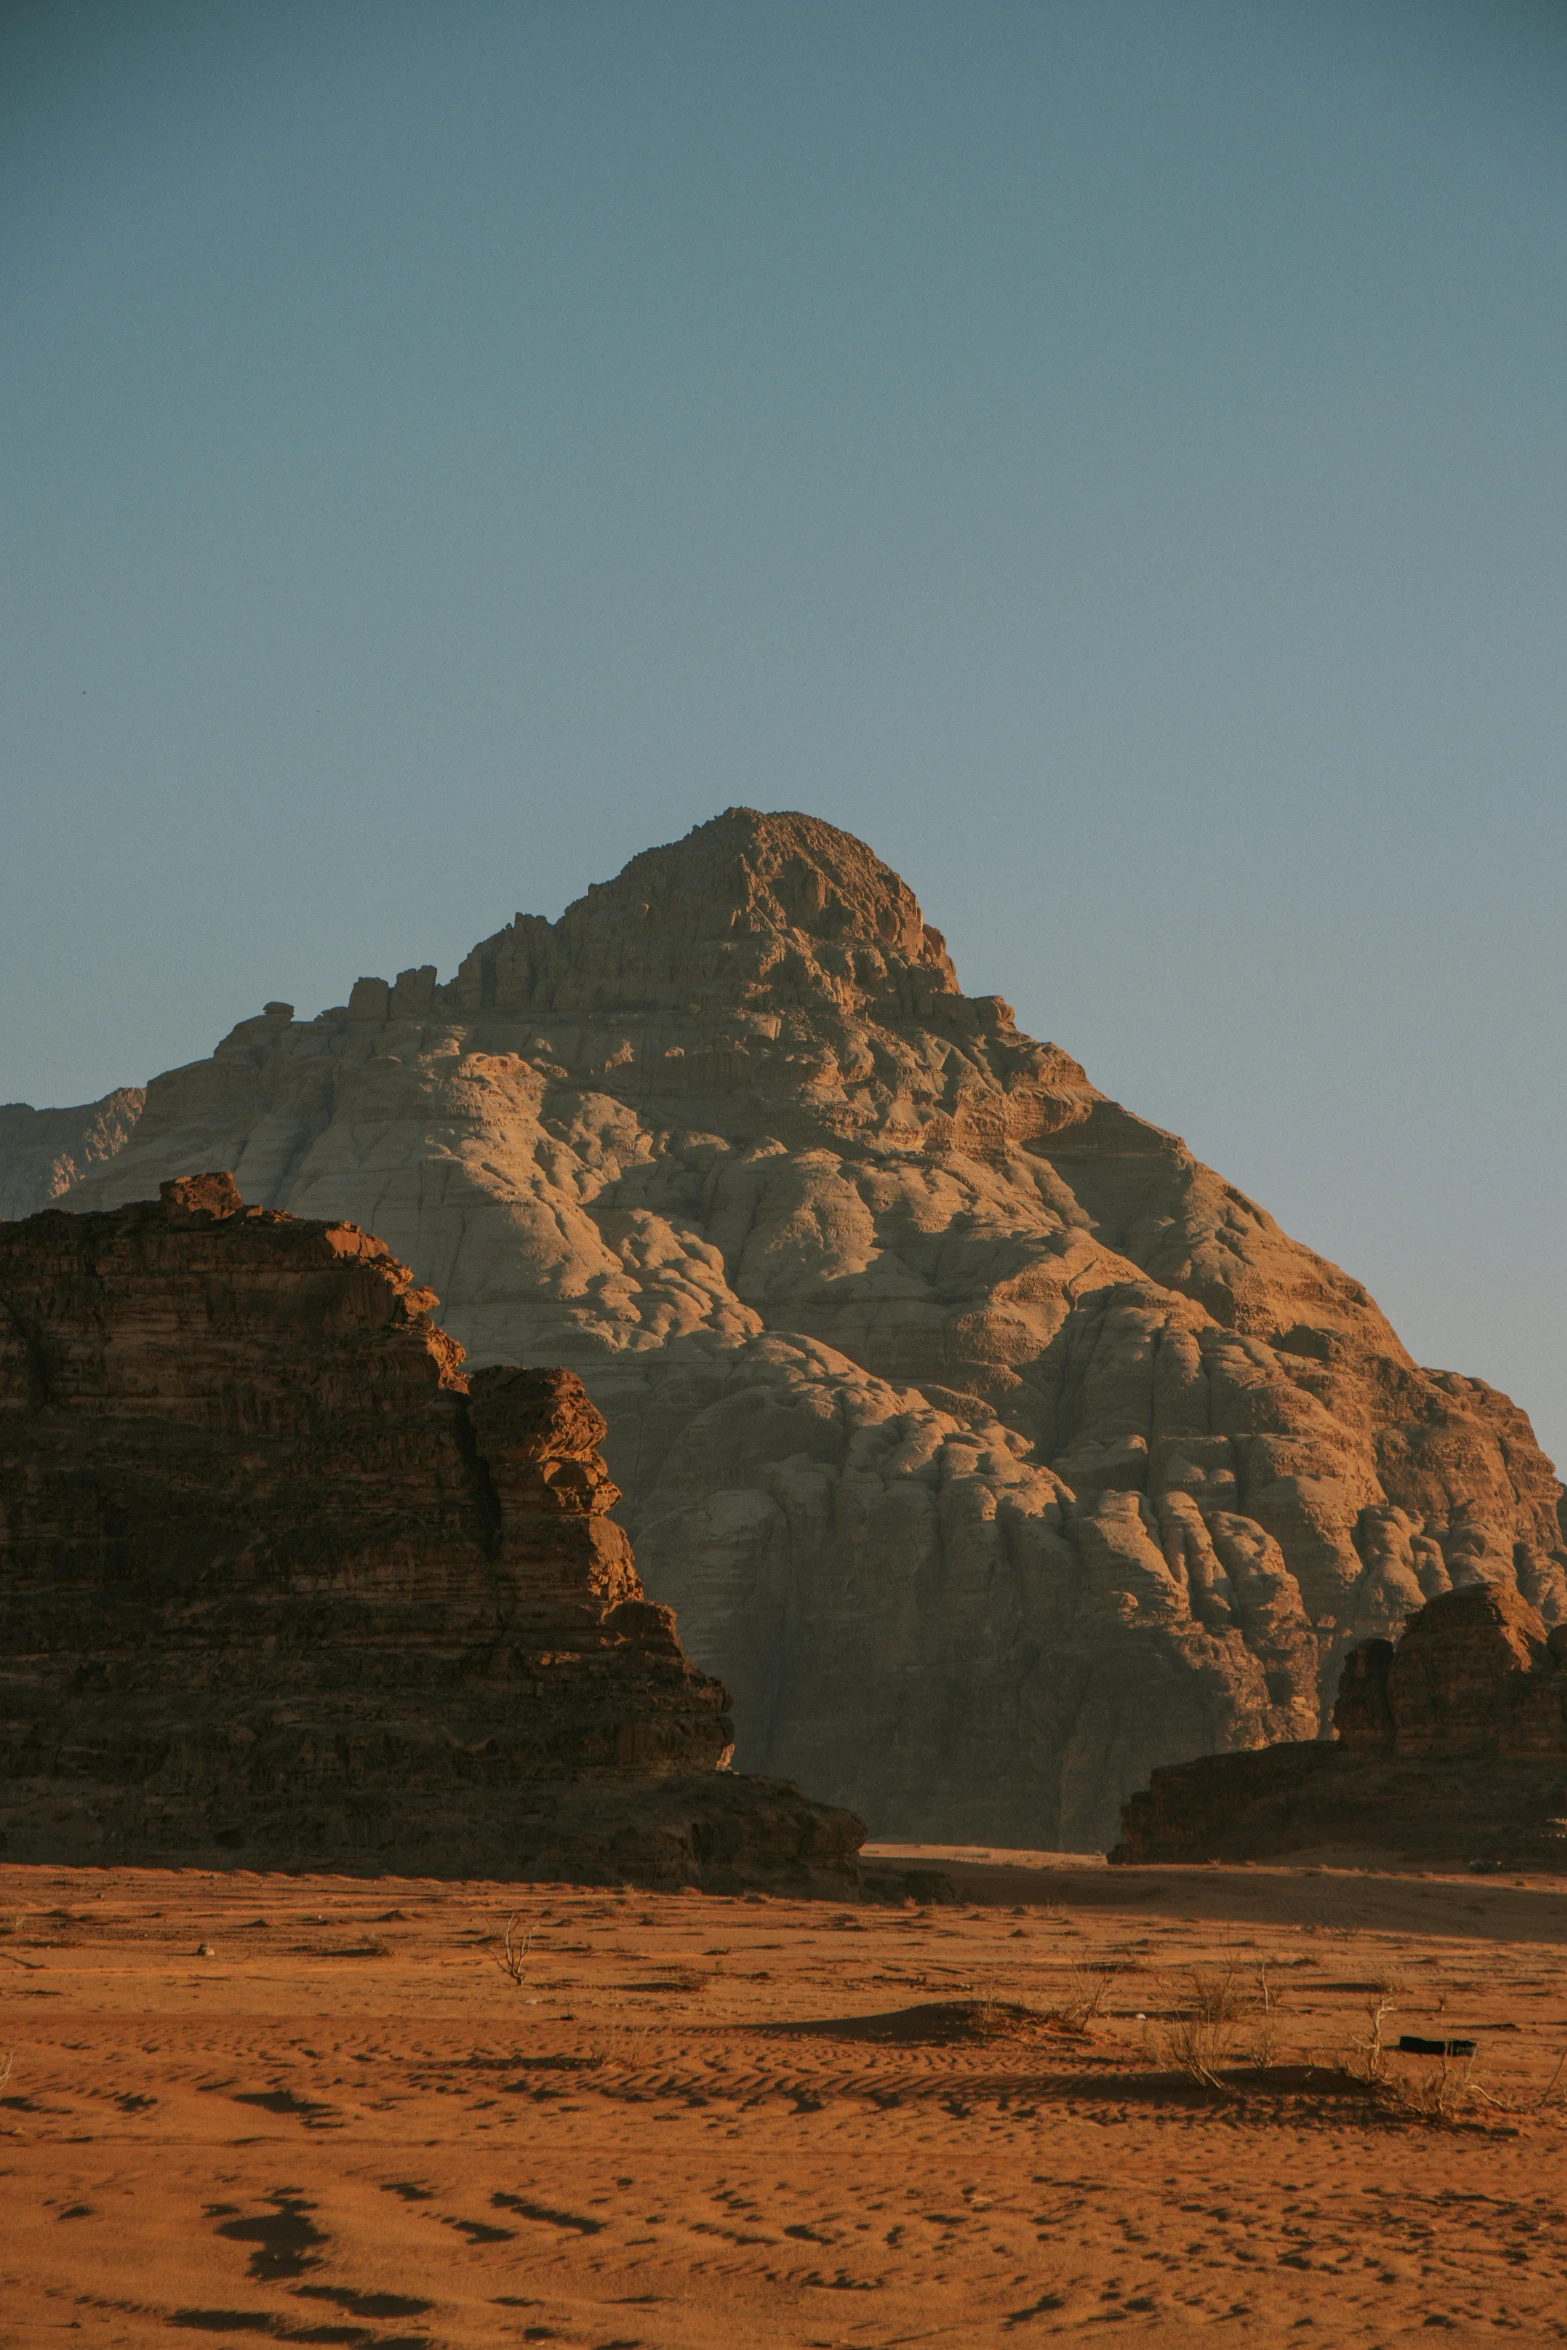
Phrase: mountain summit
(992, 1448)
(746, 910)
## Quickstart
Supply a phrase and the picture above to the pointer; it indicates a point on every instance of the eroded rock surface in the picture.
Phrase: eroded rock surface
(43, 1152)
(280, 1580)
(1451, 1746)
(992, 1448)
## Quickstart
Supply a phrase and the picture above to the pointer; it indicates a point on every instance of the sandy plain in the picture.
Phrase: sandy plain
(317, 2109)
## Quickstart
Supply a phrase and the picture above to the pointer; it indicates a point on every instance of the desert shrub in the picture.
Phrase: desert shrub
(1364, 2059)
(1082, 1998)
(1216, 2018)
(514, 1950)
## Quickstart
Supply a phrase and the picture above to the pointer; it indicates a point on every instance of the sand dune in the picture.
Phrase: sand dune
(699, 2120)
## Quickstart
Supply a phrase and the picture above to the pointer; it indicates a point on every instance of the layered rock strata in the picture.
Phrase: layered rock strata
(991, 1447)
(280, 1581)
(1450, 1747)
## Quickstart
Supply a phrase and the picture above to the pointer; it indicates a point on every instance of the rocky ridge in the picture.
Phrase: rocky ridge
(992, 1448)
(280, 1581)
(1450, 1746)
(43, 1152)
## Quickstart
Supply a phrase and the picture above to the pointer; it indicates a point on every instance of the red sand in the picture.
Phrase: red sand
(740, 2121)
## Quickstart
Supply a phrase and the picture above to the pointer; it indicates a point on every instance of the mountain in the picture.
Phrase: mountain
(42, 1152)
(992, 1448)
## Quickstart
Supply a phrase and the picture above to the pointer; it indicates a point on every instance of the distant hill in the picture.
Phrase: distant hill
(42, 1152)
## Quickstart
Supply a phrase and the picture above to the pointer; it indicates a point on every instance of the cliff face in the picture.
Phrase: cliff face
(1472, 1675)
(43, 1152)
(1451, 1746)
(991, 1447)
(278, 1579)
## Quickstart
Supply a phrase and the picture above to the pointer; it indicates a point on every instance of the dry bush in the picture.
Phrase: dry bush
(993, 2012)
(1438, 2094)
(7, 2059)
(1506, 2101)
(689, 1981)
(1196, 2046)
(1265, 2045)
(514, 1953)
(1437, 2089)
(1365, 2059)
(1555, 2089)
(1216, 1995)
(1216, 2020)
(624, 2044)
(1082, 1998)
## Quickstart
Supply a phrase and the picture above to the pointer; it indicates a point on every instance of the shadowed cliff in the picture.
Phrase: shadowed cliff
(281, 1583)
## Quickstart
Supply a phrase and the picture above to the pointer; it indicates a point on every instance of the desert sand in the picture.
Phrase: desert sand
(319, 2109)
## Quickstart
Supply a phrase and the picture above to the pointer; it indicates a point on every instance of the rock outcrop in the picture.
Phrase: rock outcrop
(991, 1447)
(1450, 1747)
(43, 1152)
(279, 1581)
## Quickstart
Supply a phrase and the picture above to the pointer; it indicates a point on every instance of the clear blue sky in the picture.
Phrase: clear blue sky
(1110, 454)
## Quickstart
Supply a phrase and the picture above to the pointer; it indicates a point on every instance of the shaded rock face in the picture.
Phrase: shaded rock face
(43, 1152)
(991, 1447)
(1451, 1746)
(279, 1580)
(1474, 1673)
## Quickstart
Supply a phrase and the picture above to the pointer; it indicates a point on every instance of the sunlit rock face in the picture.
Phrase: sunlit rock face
(992, 1449)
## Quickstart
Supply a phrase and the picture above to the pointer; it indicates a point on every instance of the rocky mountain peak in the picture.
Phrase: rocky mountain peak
(785, 873)
(746, 906)
(993, 1447)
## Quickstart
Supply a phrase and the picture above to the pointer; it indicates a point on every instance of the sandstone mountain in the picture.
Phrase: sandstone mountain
(281, 1582)
(1451, 1748)
(991, 1447)
(43, 1152)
